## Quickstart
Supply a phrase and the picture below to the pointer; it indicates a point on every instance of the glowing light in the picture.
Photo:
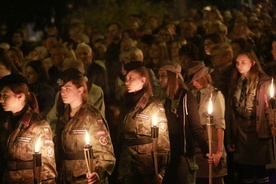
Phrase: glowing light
(210, 106)
(271, 91)
(87, 138)
(37, 144)
(154, 120)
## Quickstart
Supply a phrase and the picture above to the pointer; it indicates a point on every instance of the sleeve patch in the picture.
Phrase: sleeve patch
(49, 152)
(103, 140)
(102, 132)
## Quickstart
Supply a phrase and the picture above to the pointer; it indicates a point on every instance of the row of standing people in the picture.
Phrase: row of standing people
(248, 67)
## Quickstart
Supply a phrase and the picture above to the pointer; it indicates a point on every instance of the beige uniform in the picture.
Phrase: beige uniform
(21, 145)
(89, 119)
(135, 134)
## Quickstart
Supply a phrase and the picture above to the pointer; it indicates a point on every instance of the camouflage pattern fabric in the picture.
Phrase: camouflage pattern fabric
(89, 119)
(137, 159)
(21, 145)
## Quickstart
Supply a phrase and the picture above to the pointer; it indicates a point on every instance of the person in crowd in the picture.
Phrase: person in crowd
(271, 66)
(58, 54)
(19, 41)
(158, 54)
(95, 95)
(238, 44)
(95, 73)
(248, 135)
(38, 80)
(174, 48)
(187, 54)
(134, 54)
(210, 40)
(24, 127)
(79, 118)
(184, 126)
(141, 111)
(203, 91)
(112, 55)
(15, 56)
(188, 33)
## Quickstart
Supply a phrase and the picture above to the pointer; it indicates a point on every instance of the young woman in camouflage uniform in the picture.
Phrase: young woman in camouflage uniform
(79, 116)
(136, 162)
(22, 130)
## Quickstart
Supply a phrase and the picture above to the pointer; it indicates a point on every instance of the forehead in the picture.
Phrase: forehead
(68, 84)
(161, 71)
(83, 49)
(132, 73)
(242, 57)
(6, 89)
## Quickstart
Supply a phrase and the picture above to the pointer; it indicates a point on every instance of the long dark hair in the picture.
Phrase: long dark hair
(254, 71)
(142, 71)
(174, 84)
(30, 98)
(40, 69)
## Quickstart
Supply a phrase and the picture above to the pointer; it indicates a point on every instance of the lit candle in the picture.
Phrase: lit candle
(88, 153)
(154, 128)
(154, 135)
(209, 132)
(37, 162)
(271, 91)
(210, 106)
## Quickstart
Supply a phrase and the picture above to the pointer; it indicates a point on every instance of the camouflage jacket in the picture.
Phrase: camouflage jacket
(21, 145)
(135, 135)
(89, 119)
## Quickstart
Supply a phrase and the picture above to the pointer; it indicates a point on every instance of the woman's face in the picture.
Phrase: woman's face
(273, 51)
(154, 52)
(31, 75)
(10, 101)
(134, 82)
(207, 46)
(175, 46)
(84, 55)
(70, 93)
(13, 57)
(3, 71)
(197, 85)
(243, 64)
(163, 78)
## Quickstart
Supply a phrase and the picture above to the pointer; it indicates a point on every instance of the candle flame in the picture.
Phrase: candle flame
(87, 138)
(37, 144)
(154, 120)
(271, 89)
(210, 106)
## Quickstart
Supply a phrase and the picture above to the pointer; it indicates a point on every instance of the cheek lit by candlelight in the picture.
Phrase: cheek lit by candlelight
(87, 138)
(210, 106)
(37, 144)
(271, 91)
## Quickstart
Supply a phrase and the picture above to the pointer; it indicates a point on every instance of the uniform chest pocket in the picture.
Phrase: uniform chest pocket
(23, 148)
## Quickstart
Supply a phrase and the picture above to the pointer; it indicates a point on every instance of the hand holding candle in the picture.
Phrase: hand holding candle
(88, 154)
(37, 162)
(209, 132)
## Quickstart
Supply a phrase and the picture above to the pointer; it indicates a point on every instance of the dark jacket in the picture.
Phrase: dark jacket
(186, 110)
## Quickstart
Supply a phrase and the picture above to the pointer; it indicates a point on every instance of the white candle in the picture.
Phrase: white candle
(87, 138)
(271, 91)
(210, 106)
(37, 145)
